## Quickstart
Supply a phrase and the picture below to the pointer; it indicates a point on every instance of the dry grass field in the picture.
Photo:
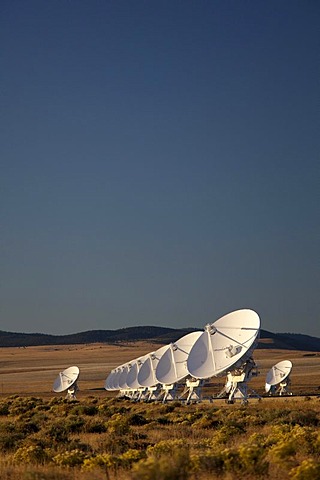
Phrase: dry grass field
(32, 370)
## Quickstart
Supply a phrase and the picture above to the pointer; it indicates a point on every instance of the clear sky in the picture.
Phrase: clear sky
(159, 163)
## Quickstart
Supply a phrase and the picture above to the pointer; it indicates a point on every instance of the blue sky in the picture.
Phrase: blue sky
(159, 163)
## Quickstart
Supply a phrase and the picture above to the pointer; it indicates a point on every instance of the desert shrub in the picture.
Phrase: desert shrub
(4, 408)
(163, 420)
(225, 433)
(253, 459)
(70, 458)
(10, 437)
(95, 426)
(130, 456)
(177, 466)
(31, 454)
(105, 410)
(283, 450)
(137, 419)
(89, 410)
(308, 470)
(21, 406)
(76, 444)
(113, 444)
(58, 432)
(39, 418)
(207, 462)
(303, 418)
(287, 440)
(74, 424)
(206, 421)
(28, 427)
(118, 424)
(231, 460)
(166, 447)
(104, 461)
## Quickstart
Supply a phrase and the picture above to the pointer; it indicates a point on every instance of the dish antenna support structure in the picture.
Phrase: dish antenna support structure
(192, 390)
(236, 386)
(67, 381)
(278, 379)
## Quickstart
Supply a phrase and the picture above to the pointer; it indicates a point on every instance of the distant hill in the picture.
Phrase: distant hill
(282, 341)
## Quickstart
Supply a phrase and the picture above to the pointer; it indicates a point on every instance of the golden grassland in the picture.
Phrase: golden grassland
(98, 436)
(32, 370)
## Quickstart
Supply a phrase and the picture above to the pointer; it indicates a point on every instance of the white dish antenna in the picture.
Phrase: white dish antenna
(123, 377)
(109, 381)
(147, 372)
(225, 344)
(172, 366)
(278, 374)
(132, 377)
(66, 379)
(116, 378)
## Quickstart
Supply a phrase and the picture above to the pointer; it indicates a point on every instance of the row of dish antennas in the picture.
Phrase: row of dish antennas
(224, 348)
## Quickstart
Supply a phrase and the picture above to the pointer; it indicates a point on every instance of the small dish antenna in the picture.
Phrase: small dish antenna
(67, 381)
(278, 379)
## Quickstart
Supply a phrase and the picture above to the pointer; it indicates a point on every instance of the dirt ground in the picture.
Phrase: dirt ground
(32, 370)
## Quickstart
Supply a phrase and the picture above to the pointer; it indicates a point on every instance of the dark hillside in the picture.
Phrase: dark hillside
(161, 335)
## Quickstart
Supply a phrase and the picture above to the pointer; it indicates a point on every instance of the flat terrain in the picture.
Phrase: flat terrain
(32, 370)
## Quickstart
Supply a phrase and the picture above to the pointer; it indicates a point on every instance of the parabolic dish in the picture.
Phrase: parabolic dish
(278, 373)
(108, 383)
(123, 376)
(225, 344)
(147, 372)
(132, 377)
(66, 379)
(172, 366)
(116, 378)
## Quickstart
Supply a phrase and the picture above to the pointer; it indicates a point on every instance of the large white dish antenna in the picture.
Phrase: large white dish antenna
(225, 344)
(278, 373)
(172, 366)
(66, 379)
(147, 372)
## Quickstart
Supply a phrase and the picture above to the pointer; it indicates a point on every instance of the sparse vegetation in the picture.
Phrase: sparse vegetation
(115, 439)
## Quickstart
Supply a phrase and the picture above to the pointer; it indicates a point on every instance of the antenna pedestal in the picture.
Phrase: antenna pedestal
(237, 382)
(153, 393)
(71, 392)
(193, 390)
(169, 392)
(283, 388)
